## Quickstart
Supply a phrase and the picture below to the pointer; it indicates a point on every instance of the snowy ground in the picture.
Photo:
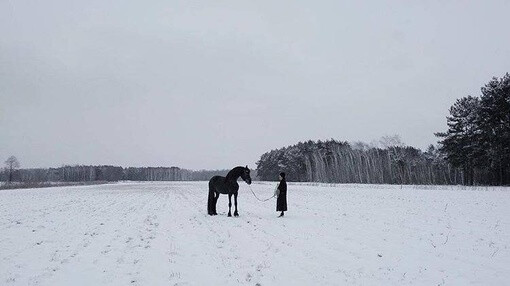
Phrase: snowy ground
(160, 234)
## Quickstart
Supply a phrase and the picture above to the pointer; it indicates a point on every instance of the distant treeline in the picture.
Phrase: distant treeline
(339, 162)
(108, 173)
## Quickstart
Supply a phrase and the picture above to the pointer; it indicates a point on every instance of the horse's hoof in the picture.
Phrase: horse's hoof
(236, 214)
(229, 214)
(214, 214)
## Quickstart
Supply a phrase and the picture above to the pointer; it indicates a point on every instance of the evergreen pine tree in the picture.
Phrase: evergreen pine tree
(459, 142)
(495, 128)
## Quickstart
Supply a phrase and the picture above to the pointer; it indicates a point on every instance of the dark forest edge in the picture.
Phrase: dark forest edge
(477, 140)
(342, 162)
(475, 150)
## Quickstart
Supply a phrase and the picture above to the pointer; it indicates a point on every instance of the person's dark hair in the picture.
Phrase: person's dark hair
(282, 174)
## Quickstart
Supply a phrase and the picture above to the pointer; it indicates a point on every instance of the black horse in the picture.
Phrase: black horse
(226, 185)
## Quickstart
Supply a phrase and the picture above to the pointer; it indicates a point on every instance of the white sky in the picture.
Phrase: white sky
(214, 84)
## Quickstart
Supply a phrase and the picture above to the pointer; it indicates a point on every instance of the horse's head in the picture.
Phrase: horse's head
(245, 175)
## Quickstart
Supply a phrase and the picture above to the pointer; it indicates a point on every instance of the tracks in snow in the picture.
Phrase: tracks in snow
(160, 234)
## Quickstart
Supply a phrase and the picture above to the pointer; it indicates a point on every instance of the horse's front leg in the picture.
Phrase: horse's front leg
(235, 204)
(229, 204)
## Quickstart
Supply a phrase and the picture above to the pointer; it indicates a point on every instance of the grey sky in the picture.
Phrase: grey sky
(214, 84)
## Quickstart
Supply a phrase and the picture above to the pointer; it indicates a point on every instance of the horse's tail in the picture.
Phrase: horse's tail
(210, 201)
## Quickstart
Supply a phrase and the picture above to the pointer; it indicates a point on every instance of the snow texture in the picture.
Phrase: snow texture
(160, 234)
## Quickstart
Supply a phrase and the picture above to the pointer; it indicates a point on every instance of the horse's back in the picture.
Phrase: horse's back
(216, 182)
(216, 179)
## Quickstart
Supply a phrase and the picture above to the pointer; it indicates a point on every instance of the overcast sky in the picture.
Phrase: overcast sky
(214, 84)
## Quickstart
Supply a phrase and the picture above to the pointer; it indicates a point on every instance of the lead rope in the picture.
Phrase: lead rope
(258, 197)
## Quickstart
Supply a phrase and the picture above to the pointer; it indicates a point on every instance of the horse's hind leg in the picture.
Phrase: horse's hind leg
(210, 202)
(215, 203)
(229, 204)
(235, 205)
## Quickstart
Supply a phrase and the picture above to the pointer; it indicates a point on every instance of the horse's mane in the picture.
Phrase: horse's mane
(234, 173)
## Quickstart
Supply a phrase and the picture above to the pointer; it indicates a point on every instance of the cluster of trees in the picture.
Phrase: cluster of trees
(82, 173)
(478, 136)
(64, 174)
(342, 162)
(475, 150)
(169, 174)
(155, 174)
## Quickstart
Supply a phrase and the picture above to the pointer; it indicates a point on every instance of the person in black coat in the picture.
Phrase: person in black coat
(281, 201)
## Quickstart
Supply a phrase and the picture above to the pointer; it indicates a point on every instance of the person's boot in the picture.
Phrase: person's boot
(281, 215)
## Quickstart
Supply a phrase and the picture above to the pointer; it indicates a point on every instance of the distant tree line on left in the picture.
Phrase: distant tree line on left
(88, 173)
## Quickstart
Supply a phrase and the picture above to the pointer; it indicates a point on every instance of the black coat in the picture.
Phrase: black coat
(281, 201)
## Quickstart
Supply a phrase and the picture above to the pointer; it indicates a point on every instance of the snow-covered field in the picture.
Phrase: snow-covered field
(160, 234)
